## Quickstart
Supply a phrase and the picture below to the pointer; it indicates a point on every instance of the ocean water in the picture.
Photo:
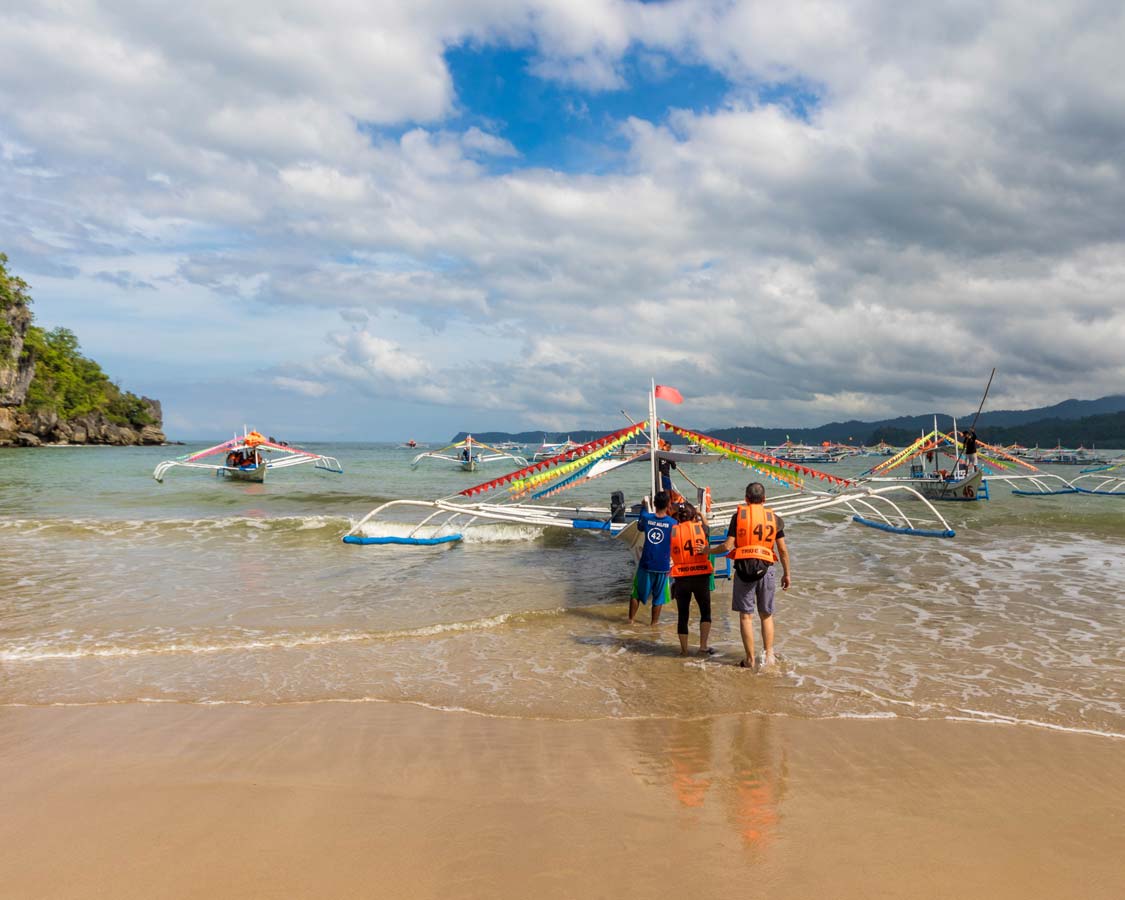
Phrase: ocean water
(116, 589)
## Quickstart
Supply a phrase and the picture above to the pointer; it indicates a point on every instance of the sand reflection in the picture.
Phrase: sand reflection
(730, 769)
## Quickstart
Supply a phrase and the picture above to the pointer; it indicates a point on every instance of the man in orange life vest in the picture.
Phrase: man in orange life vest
(756, 539)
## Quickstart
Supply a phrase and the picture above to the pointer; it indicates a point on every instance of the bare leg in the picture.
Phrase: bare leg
(633, 605)
(656, 612)
(746, 626)
(704, 636)
(767, 639)
(683, 644)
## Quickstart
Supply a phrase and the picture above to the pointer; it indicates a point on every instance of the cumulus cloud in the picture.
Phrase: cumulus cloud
(304, 386)
(890, 199)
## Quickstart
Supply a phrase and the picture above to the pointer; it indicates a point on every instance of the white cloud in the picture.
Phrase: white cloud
(487, 144)
(951, 201)
(304, 386)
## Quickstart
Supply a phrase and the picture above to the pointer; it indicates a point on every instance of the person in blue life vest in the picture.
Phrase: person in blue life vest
(651, 579)
(755, 541)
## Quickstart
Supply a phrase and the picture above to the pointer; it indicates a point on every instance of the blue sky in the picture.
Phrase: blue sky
(376, 220)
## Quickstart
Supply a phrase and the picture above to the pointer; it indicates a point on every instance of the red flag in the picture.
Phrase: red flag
(663, 392)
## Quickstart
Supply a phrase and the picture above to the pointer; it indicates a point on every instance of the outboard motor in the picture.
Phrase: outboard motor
(617, 506)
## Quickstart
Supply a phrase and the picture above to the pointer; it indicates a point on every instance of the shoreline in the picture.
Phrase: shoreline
(381, 798)
(993, 720)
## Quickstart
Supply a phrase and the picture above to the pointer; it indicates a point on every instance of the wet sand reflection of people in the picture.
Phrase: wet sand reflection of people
(759, 773)
(744, 783)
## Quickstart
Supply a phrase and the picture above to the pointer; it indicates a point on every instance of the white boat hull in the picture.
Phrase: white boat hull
(968, 488)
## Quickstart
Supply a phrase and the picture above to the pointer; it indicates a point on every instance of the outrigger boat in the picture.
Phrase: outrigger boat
(248, 458)
(468, 455)
(958, 482)
(1060, 456)
(520, 497)
(550, 451)
(804, 453)
(1106, 481)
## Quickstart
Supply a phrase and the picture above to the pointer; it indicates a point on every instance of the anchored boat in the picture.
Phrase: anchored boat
(938, 470)
(249, 458)
(468, 455)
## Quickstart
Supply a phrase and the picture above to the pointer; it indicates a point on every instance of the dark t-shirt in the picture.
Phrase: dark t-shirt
(970, 444)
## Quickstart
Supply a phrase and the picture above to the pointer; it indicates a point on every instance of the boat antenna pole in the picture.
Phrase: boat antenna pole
(654, 446)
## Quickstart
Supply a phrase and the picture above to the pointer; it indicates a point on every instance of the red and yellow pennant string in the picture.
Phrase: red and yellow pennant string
(924, 444)
(779, 469)
(523, 480)
(565, 471)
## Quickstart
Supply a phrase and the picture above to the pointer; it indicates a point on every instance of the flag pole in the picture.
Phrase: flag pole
(652, 438)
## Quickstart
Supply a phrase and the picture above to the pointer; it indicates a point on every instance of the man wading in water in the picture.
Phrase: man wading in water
(756, 540)
(651, 579)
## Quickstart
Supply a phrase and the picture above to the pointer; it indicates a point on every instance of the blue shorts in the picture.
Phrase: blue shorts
(652, 584)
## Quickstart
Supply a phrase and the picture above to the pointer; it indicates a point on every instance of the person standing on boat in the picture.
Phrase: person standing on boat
(691, 573)
(651, 579)
(970, 439)
(665, 466)
(755, 541)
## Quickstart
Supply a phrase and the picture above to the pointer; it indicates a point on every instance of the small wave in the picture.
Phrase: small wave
(491, 533)
(170, 527)
(43, 651)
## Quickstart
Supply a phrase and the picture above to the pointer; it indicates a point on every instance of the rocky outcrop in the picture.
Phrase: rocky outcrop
(45, 427)
(16, 369)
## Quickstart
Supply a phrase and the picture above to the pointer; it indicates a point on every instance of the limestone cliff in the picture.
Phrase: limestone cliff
(50, 393)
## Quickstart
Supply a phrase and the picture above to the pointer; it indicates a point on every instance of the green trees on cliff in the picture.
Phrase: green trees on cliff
(65, 381)
(13, 293)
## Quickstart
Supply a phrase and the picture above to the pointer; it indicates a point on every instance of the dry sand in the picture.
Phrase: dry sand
(382, 800)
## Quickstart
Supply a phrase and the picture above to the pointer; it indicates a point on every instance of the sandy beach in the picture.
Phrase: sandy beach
(378, 799)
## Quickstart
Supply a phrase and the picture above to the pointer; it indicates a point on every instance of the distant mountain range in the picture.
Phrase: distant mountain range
(1072, 422)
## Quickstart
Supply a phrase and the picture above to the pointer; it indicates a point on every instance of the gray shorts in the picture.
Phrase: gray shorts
(759, 593)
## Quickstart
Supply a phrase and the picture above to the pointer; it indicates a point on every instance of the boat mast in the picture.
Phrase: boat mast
(934, 452)
(654, 446)
(956, 446)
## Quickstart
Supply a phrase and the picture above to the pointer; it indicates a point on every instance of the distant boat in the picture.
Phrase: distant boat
(1060, 456)
(468, 455)
(803, 453)
(549, 451)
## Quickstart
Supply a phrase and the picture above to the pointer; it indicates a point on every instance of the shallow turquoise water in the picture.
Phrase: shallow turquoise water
(114, 588)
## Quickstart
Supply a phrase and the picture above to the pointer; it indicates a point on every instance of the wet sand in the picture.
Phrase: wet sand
(387, 800)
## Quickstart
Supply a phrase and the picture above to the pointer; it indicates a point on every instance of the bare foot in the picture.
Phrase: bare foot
(768, 659)
(747, 664)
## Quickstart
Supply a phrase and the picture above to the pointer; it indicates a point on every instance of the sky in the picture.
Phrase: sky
(377, 220)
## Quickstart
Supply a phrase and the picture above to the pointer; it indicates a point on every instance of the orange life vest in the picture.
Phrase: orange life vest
(755, 532)
(685, 561)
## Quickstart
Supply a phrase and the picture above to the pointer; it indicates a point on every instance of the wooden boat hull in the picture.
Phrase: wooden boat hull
(468, 465)
(964, 489)
(257, 475)
(967, 489)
